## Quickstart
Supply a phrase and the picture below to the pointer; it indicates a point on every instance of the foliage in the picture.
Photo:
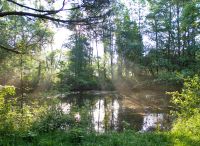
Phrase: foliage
(188, 100)
(51, 120)
(173, 27)
(170, 78)
(76, 137)
(22, 41)
(31, 118)
(187, 129)
(128, 138)
(129, 44)
(78, 74)
(7, 116)
(13, 118)
(187, 125)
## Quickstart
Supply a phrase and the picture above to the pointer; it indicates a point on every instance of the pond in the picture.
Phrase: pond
(113, 111)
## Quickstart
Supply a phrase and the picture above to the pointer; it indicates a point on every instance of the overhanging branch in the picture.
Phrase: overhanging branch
(48, 12)
(10, 50)
(41, 16)
(21, 13)
(38, 10)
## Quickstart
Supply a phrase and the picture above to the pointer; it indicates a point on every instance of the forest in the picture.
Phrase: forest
(99, 72)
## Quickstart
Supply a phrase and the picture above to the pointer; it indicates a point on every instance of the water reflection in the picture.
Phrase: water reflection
(105, 116)
(108, 113)
(115, 113)
(98, 114)
(152, 121)
(130, 119)
(65, 107)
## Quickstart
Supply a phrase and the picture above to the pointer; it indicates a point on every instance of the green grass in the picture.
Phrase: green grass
(128, 138)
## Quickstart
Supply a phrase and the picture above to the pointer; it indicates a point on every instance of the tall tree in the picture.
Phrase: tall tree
(129, 43)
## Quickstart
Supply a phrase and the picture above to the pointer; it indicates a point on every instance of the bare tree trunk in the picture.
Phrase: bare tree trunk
(97, 57)
(178, 28)
(156, 28)
(22, 84)
(111, 53)
(169, 36)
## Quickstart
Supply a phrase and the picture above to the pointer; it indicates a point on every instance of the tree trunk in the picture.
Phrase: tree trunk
(111, 54)
(178, 28)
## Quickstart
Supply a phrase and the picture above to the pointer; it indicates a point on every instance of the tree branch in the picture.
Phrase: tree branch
(48, 12)
(20, 13)
(39, 10)
(11, 50)
(41, 16)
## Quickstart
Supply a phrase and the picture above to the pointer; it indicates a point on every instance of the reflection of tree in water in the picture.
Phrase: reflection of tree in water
(112, 124)
(134, 120)
(114, 115)
(111, 109)
(156, 121)
(80, 99)
(105, 112)
(80, 104)
(107, 115)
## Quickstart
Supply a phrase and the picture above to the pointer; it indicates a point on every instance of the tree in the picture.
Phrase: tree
(174, 34)
(129, 44)
(78, 74)
(22, 63)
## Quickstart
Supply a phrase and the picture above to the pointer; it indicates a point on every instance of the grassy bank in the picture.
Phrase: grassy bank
(127, 138)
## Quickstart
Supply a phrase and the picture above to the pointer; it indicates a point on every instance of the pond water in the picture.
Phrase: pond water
(109, 112)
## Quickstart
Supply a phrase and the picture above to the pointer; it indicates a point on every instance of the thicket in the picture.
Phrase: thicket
(187, 102)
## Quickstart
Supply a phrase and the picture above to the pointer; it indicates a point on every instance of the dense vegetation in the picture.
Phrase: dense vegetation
(140, 45)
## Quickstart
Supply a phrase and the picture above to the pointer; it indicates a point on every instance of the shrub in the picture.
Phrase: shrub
(171, 77)
(76, 135)
(188, 101)
(6, 111)
(51, 120)
(186, 128)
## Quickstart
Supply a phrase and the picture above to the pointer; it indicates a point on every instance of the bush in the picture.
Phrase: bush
(76, 135)
(189, 126)
(186, 128)
(51, 120)
(13, 118)
(29, 119)
(186, 131)
(6, 102)
(188, 101)
(170, 78)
